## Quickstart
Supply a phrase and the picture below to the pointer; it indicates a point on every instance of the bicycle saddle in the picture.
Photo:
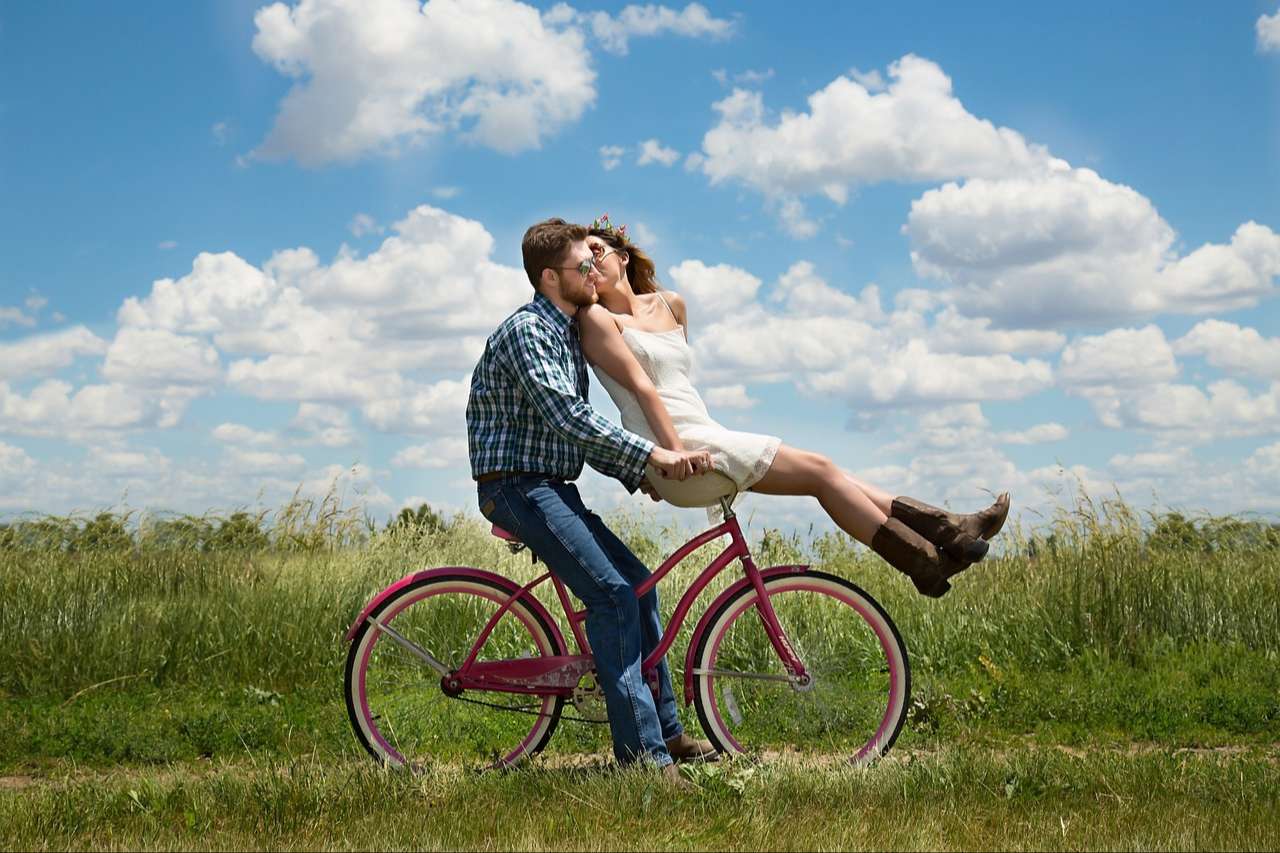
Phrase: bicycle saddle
(504, 534)
(700, 491)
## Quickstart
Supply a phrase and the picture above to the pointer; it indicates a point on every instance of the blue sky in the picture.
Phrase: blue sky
(246, 248)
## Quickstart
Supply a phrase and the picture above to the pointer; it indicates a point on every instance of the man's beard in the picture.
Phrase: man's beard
(581, 297)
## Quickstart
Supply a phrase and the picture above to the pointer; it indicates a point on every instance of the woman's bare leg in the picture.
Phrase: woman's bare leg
(882, 499)
(801, 472)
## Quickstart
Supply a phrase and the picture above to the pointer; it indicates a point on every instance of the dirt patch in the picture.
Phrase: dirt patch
(16, 783)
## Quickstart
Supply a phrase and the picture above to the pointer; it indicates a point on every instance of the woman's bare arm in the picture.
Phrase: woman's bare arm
(604, 347)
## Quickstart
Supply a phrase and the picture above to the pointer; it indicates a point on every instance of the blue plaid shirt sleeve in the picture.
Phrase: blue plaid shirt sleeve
(539, 361)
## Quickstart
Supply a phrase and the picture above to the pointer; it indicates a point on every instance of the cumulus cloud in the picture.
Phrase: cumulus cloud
(39, 355)
(240, 434)
(1018, 237)
(613, 33)
(611, 156)
(15, 316)
(440, 453)
(729, 397)
(379, 76)
(1268, 29)
(653, 151)
(828, 342)
(1179, 412)
(1121, 357)
(1068, 246)
(56, 409)
(158, 357)
(713, 291)
(1234, 349)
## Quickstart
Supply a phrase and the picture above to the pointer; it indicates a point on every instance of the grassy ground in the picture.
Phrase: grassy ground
(1105, 687)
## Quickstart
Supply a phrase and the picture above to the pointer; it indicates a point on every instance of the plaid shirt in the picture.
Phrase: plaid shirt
(528, 408)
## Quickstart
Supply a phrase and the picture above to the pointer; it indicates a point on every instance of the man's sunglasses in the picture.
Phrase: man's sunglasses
(584, 268)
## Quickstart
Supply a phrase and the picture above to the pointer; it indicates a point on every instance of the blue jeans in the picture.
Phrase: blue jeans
(548, 515)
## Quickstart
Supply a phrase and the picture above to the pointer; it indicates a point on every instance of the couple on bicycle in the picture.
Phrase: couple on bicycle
(530, 428)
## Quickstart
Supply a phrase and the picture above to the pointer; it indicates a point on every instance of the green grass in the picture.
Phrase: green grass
(161, 692)
(951, 799)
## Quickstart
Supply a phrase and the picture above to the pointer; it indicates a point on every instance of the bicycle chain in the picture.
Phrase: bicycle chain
(525, 709)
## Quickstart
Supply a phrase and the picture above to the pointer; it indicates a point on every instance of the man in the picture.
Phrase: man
(529, 430)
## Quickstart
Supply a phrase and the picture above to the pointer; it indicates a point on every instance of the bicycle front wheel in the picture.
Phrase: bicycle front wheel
(856, 699)
(396, 703)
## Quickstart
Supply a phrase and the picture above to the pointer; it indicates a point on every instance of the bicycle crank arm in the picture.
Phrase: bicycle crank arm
(412, 648)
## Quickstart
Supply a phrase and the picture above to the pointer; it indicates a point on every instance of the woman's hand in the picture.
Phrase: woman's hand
(682, 465)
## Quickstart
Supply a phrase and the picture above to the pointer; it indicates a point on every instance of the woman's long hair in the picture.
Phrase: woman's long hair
(640, 269)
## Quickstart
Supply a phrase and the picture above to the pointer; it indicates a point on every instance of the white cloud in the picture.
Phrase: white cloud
(14, 461)
(729, 397)
(1235, 349)
(1038, 434)
(1268, 28)
(220, 131)
(326, 425)
(1225, 409)
(158, 357)
(38, 355)
(915, 130)
(35, 302)
(826, 341)
(375, 77)
(445, 193)
(614, 33)
(440, 453)
(611, 156)
(652, 151)
(240, 434)
(264, 461)
(362, 224)
(953, 332)
(15, 317)
(1119, 358)
(713, 291)
(436, 408)
(55, 408)
(1069, 246)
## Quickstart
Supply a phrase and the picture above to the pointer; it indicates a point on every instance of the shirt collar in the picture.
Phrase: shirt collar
(545, 308)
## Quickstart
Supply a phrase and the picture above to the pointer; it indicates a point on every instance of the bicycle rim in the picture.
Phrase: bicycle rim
(395, 701)
(861, 681)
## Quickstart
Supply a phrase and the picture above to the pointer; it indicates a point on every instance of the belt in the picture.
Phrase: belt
(506, 475)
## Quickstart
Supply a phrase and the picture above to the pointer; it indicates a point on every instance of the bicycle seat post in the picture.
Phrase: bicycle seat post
(727, 507)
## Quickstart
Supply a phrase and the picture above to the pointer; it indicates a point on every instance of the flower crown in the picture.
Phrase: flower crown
(602, 223)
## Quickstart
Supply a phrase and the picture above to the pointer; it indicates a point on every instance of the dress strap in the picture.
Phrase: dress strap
(668, 304)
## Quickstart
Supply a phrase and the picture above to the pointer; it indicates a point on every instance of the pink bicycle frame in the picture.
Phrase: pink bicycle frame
(560, 674)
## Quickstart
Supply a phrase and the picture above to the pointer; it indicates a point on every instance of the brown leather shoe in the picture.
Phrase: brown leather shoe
(684, 748)
(960, 537)
(915, 556)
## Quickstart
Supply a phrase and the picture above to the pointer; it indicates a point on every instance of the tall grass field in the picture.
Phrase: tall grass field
(174, 682)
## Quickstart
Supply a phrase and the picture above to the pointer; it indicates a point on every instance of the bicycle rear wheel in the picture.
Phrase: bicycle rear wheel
(396, 703)
(857, 699)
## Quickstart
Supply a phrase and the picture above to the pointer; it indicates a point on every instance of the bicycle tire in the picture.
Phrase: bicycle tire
(861, 692)
(368, 705)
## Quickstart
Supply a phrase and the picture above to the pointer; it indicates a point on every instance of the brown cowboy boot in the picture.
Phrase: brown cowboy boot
(961, 537)
(915, 556)
(684, 748)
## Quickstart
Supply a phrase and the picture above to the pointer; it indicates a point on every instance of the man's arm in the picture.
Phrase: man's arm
(536, 361)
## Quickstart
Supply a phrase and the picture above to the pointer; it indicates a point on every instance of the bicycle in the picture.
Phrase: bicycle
(451, 662)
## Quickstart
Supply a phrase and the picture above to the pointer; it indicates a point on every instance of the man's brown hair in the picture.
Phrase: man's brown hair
(545, 245)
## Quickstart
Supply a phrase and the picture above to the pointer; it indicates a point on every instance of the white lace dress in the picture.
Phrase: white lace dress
(743, 457)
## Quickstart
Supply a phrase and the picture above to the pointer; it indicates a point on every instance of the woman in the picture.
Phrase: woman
(635, 338)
